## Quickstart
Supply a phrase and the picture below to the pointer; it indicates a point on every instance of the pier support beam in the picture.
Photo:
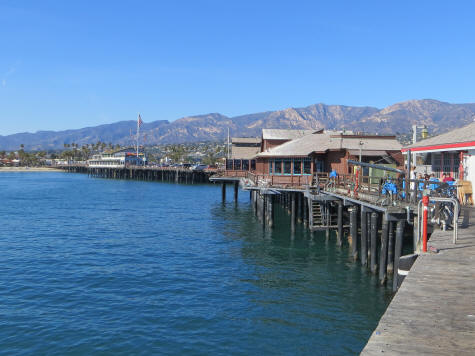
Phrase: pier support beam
(305, 210)
(236, 190)
(374, 232)
(397, 252)
(354, 231)
(292, 212)
(390, 267)
(339, 237)
(223, 191)
(363, 237)
(270, 211)
(384, 250)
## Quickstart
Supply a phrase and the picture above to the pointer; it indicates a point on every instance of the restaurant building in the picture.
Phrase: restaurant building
(452, 153)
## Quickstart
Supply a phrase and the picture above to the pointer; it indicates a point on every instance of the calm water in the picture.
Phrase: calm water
(93, 266)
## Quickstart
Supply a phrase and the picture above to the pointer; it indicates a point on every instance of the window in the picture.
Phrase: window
(270, 167)
(237, 164)
(229, 164)
(278, 167)
(253, 164)
(287, 167)
(297, 167)
(307, 168)
(245, 165)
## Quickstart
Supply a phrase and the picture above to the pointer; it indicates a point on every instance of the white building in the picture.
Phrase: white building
(118, 159)
(451, 153)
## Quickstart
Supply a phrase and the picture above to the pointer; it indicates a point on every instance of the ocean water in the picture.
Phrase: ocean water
(113, 267)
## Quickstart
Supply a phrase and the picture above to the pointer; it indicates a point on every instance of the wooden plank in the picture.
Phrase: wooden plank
(434, 310)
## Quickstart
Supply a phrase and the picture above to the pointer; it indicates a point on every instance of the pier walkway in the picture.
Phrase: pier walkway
(434, 310)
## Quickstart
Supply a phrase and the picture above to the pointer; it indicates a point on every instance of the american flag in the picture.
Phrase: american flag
(139, 121)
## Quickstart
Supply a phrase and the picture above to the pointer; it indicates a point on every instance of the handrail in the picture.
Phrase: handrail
(454, 202)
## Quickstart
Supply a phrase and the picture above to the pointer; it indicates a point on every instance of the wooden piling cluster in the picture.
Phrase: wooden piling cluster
(375, 237)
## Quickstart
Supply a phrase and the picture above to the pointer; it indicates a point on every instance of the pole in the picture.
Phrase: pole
(374, 232)
(363, 237)
(228, 144)
(354, 232)
(425, 202)
(408, 176)
(340, 223)
(137, 138)
(397, 252)
(384, 249)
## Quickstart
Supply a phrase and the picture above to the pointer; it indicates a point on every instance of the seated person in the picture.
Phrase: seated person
(447, 178)
(432, 178)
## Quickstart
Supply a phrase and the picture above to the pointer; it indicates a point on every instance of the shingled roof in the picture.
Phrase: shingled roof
(460, 135)
(321, 142)
(279, 134)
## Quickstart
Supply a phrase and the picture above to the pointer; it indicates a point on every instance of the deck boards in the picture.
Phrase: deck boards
(434, 310)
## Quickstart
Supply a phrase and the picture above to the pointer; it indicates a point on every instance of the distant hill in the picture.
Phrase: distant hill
(397, 118)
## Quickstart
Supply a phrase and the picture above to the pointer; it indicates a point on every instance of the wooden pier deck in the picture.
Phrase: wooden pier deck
(434, 310)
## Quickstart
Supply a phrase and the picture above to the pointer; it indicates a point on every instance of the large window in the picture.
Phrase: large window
(307, 169)
(278, 167)
(237, 164)
(297, 167)
(288, 167)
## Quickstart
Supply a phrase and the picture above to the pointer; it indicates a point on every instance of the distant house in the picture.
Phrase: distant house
(450, 153)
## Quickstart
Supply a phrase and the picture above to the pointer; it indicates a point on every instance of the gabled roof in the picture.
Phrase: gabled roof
(250, 140)
(461, 137)
(278, 134)
(321, 142)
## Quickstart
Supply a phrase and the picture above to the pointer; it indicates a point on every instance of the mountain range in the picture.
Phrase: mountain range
(394, 119)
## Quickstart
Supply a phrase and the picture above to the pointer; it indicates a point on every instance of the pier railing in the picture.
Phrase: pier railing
(388, 191)
(279, 181)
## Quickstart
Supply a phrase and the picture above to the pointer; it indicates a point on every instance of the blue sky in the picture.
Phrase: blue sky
(71, 64)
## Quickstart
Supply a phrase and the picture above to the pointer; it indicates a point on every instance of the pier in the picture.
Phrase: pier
(145, 173)
(434, 309)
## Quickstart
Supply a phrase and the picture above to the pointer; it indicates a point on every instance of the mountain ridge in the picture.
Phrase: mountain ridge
(394, 119)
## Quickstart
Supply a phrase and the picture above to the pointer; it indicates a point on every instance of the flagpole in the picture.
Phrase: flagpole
(138, 133)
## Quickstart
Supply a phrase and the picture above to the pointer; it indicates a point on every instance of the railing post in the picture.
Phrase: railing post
(425, 202)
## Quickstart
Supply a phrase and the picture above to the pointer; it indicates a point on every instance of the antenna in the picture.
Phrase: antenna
(228, 145)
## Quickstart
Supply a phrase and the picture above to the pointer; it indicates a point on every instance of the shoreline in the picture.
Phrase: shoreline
(29, 169)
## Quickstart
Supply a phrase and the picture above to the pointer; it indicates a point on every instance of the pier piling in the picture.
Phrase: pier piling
(236, 190)
(384, 250)
(354, 231)
(339, 237)
(390, 266)
(223, 191)
(397, 252)
(363, 237)
(374, 232)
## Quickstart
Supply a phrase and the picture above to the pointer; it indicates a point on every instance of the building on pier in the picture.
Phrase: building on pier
(243, 151)
(324, 151)
(295, 157)
(451, 153)
(118, 159)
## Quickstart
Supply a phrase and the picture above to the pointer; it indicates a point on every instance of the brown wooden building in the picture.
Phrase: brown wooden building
(296, 160)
